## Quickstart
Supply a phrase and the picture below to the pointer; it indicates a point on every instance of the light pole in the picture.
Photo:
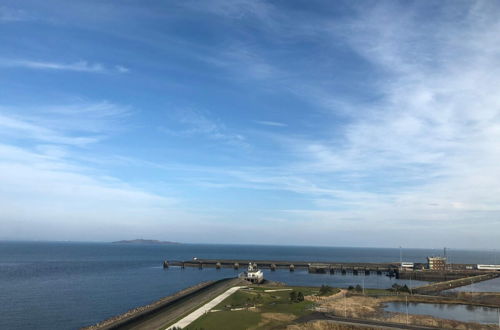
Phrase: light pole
(406, 301)
(411, 291)
(364, 285)
(345, 305)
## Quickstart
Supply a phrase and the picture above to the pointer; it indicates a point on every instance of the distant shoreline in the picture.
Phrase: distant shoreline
(146, 241)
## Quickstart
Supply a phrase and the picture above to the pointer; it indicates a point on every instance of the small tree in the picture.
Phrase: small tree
(325, 289)
(358, 288)
(293, 296)
(300, 296)
(395, 287)
(350, 288)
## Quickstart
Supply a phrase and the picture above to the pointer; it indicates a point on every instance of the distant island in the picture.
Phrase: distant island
(145, 241)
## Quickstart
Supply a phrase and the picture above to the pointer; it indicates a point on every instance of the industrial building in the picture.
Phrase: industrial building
(436, 263)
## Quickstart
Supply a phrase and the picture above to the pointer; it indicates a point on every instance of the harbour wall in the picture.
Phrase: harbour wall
(168, 309)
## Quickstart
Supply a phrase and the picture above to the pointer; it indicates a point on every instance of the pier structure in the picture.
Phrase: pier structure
(312, 267)
(337, 268)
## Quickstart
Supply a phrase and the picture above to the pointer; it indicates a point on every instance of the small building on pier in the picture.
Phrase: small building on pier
(253, 274)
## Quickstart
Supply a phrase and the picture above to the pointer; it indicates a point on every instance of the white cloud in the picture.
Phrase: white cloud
(270, 123)
(13, 15)
(47, 193)
(122, 69)
(80, 66)
(73, 124)
(191, 122)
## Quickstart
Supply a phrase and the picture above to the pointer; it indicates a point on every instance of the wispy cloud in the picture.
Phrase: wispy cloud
(122, 69)
(191, 123)
(73, 124)
(270, 123)
(13, 15)
(80, 66)
(42, 166)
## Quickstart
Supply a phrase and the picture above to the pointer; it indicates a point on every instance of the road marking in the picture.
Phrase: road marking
(204, 309)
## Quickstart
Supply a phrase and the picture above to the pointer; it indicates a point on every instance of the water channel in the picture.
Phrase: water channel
(464, 313)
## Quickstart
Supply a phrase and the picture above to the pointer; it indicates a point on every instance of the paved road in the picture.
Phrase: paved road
(361, 322)
(166, 315)
(204, 309)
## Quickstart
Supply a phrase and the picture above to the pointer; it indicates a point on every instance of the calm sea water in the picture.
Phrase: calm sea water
(70, 285)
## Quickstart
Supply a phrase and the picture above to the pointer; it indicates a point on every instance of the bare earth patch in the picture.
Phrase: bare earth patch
(326, 325)
(363, 307)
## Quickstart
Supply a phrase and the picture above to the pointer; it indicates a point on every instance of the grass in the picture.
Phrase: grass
(258, 302)
(226, 320)
(383, 292)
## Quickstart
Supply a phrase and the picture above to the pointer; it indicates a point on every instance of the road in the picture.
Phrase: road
(204, 309)
(161, 317)
(360, 322)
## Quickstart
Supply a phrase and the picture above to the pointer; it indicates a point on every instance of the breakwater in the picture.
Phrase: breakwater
(166, 310)
(455, 283)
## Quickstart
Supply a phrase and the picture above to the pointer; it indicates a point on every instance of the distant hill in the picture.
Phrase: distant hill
(144, 241)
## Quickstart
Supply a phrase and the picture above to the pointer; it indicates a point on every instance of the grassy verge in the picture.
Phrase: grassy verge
(257, 307)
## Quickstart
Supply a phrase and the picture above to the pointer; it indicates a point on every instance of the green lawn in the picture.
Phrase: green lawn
(264, 302)
(226, 320)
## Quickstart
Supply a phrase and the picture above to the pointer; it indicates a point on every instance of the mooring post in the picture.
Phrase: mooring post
(165, 264)
(217, 265)
(273, 267)
(236, 265)
(292, 267)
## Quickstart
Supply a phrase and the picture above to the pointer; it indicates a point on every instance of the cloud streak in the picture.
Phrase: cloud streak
(80, 66)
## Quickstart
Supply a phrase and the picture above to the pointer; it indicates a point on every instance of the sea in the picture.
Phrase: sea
(68, 285)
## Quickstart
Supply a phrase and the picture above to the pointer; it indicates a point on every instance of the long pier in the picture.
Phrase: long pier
(322, 267)
(313, 267)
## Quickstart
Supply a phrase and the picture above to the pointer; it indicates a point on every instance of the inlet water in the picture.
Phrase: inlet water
(464, 313)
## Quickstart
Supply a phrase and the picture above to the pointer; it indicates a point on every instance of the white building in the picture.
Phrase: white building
(253, 274)
(407, 265)
(488, 267)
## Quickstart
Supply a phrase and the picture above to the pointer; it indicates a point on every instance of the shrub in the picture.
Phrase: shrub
(325, 289)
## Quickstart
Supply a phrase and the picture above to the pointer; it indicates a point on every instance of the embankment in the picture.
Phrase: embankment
(440, 286)
(166, 310)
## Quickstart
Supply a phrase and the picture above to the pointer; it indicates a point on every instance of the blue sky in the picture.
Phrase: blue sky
(367, 123)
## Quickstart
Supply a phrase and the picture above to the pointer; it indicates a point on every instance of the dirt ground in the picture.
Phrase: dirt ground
(325, 325)
(268, 318)
(364, 307)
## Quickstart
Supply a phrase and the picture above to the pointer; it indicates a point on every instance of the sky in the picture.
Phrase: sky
(339, 123)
